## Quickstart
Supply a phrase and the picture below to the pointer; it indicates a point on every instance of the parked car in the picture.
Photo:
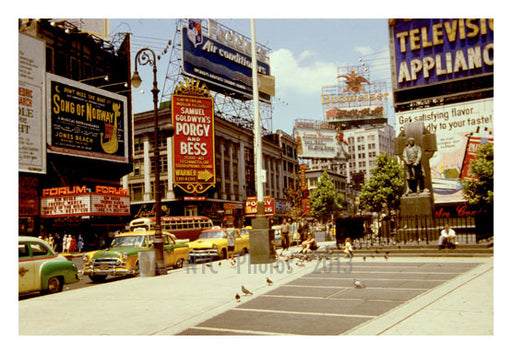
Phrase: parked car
(213, 243)
(122, 257)
(40, 269)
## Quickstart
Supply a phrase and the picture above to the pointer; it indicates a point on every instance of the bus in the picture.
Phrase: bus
(185, 228)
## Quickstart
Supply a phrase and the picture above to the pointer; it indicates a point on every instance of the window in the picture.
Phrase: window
(38, 250)
(23, 250)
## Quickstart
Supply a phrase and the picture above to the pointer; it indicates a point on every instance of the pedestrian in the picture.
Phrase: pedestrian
(303, 230)
(80, 243)
(57, 243)
(64, 243)
(347, 248)
(285, 234)
(50, 241)
(231, 242)
(72, 244)
(447, 238)
(68, 242)
(309, 244)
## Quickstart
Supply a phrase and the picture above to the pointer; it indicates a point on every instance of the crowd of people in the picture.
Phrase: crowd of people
(66, 244)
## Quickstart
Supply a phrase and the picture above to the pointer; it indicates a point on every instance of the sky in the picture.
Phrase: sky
(304, 56)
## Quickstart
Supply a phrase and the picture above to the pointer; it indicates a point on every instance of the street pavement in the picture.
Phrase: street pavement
(401, 296)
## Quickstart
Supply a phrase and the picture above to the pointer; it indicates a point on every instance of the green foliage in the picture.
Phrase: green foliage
(386, 185)
(325, 200)
(480, 190)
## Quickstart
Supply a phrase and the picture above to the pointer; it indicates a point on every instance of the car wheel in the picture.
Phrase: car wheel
(245, 251)
(55, 285)
(179, 263)
(98, 278)
(223, 254)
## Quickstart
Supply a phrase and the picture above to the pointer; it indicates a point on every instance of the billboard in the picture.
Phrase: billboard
(193, 143)
(429, 51)
(355, 99)
(31, 118)
(319, 140)
(85, 121)
(221, 66)
(459, 128)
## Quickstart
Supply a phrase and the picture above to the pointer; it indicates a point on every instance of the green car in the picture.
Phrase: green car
(40, 269)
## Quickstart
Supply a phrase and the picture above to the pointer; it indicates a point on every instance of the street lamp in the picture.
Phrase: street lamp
(147, 56)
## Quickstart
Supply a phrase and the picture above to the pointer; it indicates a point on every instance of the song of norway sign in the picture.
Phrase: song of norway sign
(86, 121)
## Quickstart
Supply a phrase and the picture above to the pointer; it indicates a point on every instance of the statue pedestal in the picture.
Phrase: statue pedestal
(416, 205)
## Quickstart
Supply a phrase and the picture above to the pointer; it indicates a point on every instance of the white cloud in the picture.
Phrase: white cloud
(301, 79)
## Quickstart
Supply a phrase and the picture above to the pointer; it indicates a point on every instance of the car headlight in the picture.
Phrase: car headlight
(85, 258)
(214, 246)
(124, 256)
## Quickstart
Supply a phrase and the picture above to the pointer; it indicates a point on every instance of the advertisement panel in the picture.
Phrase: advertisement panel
(219, 65)
(428, 51)
(31, 118)
(251, 206)
(193, 143)
(319, 140)
(459, 129)
(79, 201)
(86, 121)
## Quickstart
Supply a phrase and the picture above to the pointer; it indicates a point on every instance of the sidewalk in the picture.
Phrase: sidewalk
(169, 304)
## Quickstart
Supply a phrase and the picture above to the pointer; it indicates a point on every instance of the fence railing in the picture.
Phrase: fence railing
(428, 228)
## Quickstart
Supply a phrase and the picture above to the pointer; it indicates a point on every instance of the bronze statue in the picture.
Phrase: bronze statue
(414, 172)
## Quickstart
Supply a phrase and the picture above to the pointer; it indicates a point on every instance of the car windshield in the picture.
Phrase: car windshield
(131, 241)
(212, 234)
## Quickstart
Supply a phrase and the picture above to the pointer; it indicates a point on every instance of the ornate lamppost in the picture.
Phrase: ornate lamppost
(147, 56)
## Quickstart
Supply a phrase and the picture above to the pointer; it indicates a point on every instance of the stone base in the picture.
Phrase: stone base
(261, 242)
(416, 204)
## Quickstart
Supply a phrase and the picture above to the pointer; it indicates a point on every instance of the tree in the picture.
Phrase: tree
(325, 200)
(479, 191)
(293, 195)
(383, 190)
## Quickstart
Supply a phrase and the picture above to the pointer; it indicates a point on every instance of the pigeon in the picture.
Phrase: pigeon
(208, 265)
(269, 282)
(358, 284)
(364, 258)
(245, 291)
(386, 257)
(237, 297)
(220, 263)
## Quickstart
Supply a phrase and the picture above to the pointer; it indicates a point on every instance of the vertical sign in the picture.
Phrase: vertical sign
(193, 143)
(31, 132)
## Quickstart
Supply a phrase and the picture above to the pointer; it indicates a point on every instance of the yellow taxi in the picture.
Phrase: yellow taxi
(213, 243)
(122, 257)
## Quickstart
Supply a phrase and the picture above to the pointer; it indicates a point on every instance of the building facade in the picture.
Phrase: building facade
(234, 170)
(364, 145)
(78, 111)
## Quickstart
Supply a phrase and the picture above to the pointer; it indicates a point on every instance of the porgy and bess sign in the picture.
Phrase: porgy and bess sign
(81, 201)
(86, 121)
(460, 130)
(193, 143)
(428, 51)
